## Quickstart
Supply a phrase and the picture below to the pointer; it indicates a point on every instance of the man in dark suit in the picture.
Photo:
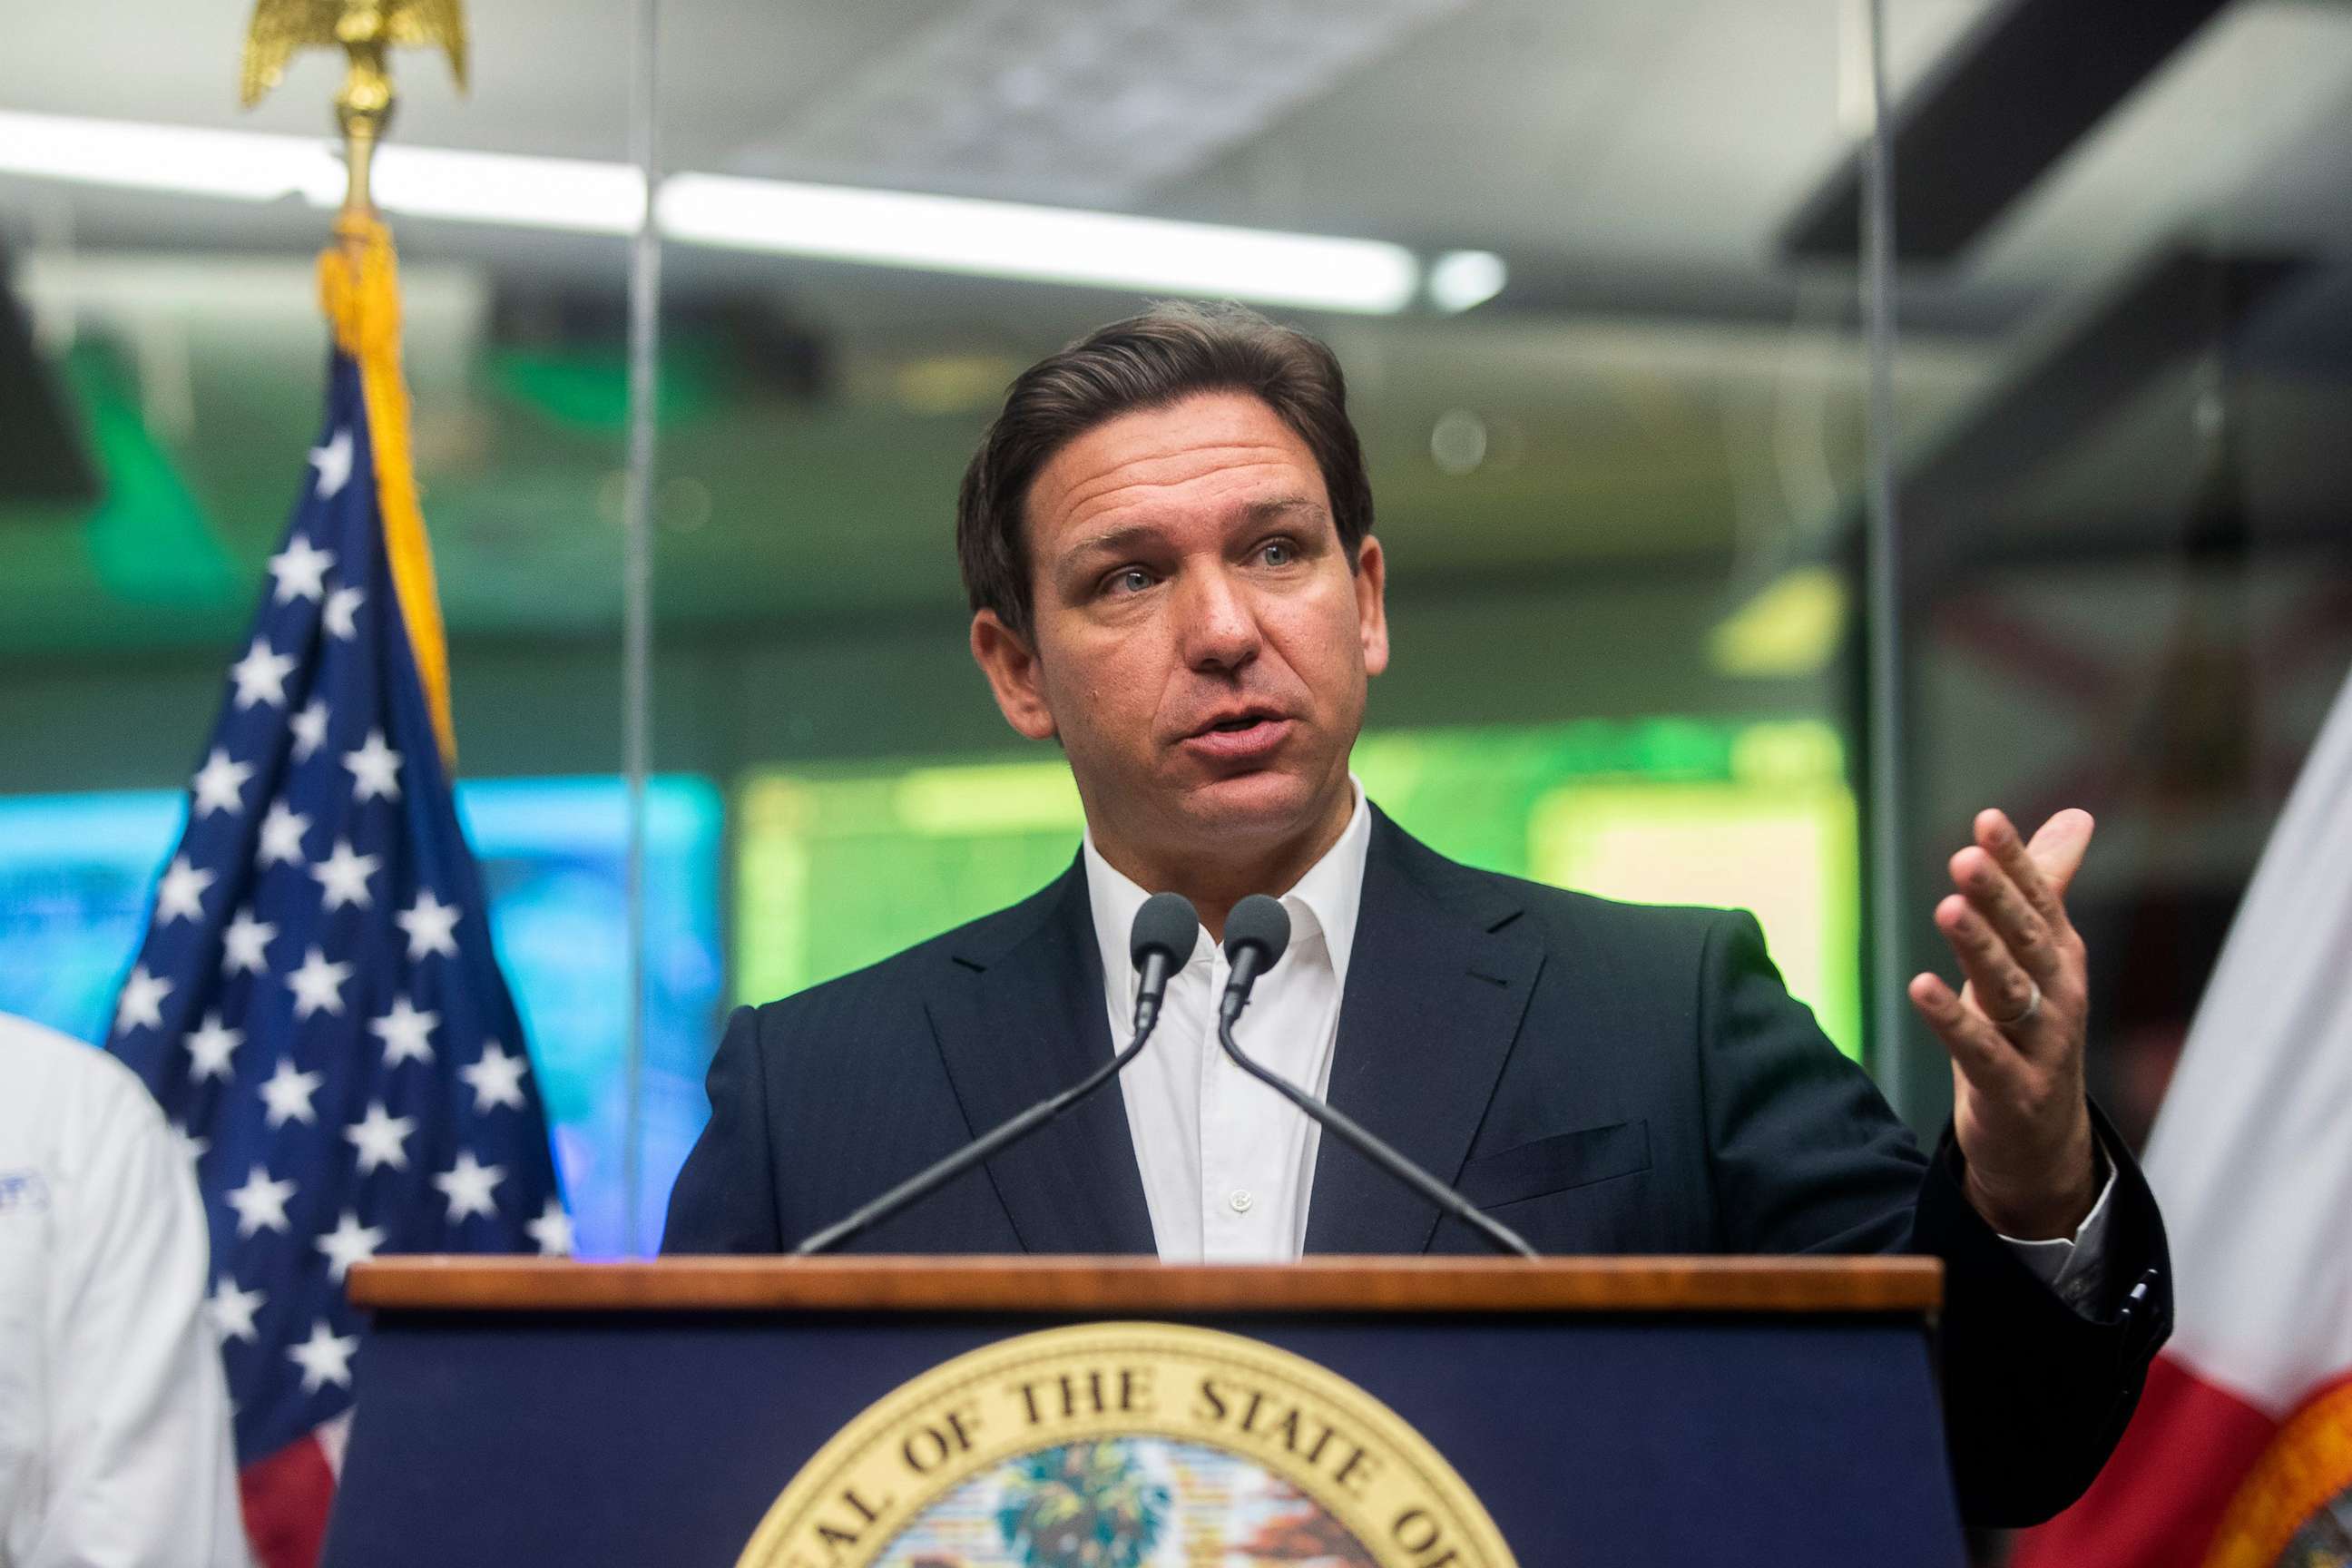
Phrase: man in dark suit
(1167, 538)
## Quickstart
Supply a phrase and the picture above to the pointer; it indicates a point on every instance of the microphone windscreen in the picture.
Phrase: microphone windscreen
(1258, 922)
(1167, 923)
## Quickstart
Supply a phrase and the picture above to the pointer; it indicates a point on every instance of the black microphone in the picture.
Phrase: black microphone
(1158, 943)
(1256, 932)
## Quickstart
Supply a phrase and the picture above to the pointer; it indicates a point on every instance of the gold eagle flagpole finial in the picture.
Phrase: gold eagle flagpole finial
(366, 31)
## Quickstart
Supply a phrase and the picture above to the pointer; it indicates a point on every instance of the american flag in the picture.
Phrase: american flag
(317, 1005)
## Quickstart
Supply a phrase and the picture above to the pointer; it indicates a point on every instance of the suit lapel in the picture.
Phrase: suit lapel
(1026, 1022)
(1438, 980)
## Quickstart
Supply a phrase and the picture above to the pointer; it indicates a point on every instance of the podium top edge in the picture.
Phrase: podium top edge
(1048, 1286)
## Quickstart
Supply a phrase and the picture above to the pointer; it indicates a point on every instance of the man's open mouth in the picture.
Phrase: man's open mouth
(1239, 738)
(1235, 723)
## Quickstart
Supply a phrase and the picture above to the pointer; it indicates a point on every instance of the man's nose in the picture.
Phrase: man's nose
(1219, 627)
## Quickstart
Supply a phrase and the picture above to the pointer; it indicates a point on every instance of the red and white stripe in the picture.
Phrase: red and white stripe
(287, 1496)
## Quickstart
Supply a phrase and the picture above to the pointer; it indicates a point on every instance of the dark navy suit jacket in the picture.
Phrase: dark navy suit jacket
(1603, 1078)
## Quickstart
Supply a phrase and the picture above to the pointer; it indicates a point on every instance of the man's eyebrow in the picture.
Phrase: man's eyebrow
(1117, 540)
(1282, 506)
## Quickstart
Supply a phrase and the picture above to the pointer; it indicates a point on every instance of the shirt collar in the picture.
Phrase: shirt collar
(1322, 903)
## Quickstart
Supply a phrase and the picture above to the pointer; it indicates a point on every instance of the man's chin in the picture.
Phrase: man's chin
(1264, 806)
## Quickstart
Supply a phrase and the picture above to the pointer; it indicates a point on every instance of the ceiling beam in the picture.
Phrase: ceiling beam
(2000, 108)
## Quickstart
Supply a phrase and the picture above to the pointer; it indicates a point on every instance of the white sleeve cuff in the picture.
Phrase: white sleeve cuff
(2073, 1268)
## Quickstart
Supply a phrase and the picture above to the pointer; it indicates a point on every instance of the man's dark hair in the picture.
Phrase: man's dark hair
(1152, 360)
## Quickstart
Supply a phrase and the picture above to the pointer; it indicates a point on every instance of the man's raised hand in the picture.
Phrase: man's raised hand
(2016, 1030)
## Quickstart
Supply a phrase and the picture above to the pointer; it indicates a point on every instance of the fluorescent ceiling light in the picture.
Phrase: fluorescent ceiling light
(235, 165)
(1461, 279)
(493, 187)
(245, 165)
(887, 228)
(1050, 245)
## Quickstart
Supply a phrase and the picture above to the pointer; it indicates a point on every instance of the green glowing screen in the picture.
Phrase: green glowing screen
(840, 865)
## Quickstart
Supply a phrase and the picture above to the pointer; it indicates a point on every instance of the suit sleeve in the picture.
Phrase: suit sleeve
(725, 1197)
(1806, 1156)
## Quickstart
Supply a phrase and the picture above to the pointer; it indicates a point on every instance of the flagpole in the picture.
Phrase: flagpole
(636, 588)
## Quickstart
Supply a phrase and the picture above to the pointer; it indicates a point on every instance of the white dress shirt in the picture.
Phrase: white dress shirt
(114, 1435)
(1228, 1164)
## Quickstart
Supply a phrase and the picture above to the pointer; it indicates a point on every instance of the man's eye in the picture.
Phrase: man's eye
(1278, 552)
(1127, 580)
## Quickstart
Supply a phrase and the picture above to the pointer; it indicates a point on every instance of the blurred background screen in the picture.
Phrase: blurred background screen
(76, 875)
(839, 867)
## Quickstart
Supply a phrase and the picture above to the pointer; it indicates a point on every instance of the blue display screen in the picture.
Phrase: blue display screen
(76, 873)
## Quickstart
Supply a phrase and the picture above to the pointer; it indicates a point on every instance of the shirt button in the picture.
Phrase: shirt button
(1241, 1200)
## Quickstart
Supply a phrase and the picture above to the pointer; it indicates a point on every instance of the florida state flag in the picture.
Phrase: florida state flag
(2241, 1453)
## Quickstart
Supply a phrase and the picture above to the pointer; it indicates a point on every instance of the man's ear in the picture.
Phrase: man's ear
(1371, 604)
(1005, 657)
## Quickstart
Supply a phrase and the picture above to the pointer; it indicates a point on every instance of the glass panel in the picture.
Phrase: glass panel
(162, 350)
(2129, 590)
(1615, 495)
(1613, 415)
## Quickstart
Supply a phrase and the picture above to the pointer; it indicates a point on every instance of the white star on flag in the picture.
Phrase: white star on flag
(375, 769)
(287, 1094)
(403, 1031)
(380, 1139)
(244, 944)
(141, 1003)
(552, 1230)
(309, 727)
(341, 606)
(429, 923)
(219, 784)
(343, 877)
(467, 1185)
(260, 676)
(281, 835)
(333, 462)
(210, 1046)
(232, 1310)
(180, 896)
(192, 1148)
(324, 1358)
(260, 1204)
(300, 569)
(497, 1079)
(347, 1244)
(317, 986)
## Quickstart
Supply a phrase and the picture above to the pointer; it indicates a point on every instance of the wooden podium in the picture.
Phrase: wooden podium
(1667, 1411)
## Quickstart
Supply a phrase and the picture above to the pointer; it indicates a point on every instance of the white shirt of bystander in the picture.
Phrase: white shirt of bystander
(114, 1428)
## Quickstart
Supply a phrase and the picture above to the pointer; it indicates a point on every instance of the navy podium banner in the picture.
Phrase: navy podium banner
(932, 1413)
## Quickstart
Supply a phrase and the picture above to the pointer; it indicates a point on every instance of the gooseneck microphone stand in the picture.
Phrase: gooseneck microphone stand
(1255, 934)
(1161, 939)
